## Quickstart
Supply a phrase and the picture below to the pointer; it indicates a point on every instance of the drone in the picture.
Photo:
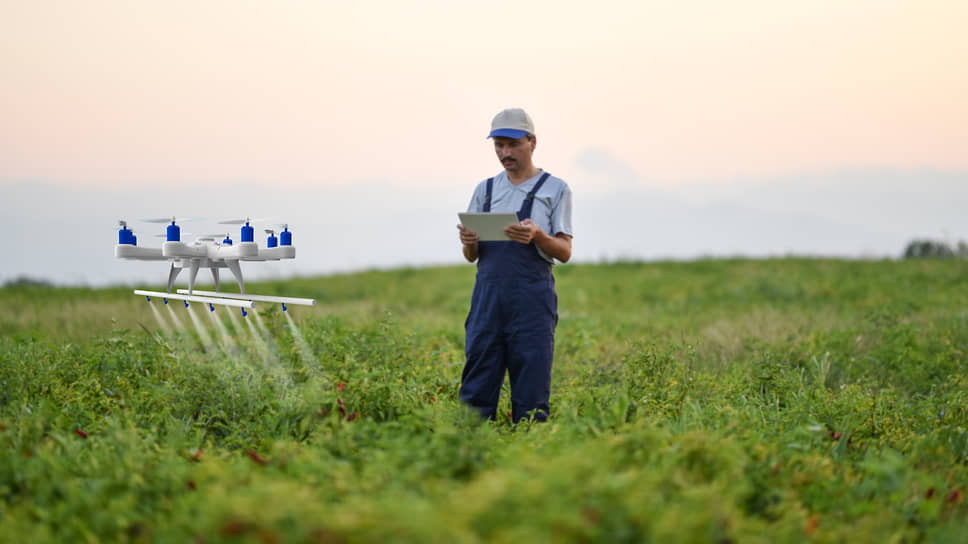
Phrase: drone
(208, 251)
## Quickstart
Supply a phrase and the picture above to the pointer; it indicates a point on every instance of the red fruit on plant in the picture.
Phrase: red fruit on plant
(256, 457)
(236, 527)
(80, 433)
(340, 387)
(812, 523)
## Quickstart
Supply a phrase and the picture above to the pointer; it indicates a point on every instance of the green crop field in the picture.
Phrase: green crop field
(786, 400)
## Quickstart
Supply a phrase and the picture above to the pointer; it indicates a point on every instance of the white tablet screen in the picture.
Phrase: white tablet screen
(489, 226)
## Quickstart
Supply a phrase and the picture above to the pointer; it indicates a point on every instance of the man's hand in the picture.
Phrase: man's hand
(524, 232)
(469, 240)
(467, 236)
(557, 247)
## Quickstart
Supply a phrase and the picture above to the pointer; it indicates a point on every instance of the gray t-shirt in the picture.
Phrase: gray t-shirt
(551, 209)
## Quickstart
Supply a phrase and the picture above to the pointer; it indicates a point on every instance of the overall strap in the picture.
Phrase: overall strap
(525, 211)
(487, 197)
(537, 186)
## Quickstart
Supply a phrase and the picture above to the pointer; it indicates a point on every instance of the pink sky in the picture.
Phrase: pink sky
(105, 93)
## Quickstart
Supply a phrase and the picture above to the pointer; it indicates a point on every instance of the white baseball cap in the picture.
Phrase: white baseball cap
(512, 123)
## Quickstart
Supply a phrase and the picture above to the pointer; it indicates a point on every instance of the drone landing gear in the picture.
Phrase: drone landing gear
(193, 271)
(236, 269)
(172, 274)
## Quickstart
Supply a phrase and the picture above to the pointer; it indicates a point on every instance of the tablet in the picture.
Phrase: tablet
(489, 226)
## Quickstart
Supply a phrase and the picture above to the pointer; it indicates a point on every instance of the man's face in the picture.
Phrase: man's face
(513, 154)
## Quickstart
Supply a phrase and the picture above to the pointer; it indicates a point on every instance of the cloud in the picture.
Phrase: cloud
(605, 169)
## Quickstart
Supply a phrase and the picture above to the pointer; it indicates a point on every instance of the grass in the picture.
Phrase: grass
(780, 400)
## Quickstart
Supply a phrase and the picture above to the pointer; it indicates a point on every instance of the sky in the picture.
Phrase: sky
(684, 129)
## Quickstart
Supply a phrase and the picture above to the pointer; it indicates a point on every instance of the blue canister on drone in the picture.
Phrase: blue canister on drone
(174, 232)
(124, 236)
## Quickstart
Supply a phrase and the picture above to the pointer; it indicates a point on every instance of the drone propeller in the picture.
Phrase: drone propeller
(243, 221)
(171, 219)
(270, 232)
(166, 235)
(122, 224)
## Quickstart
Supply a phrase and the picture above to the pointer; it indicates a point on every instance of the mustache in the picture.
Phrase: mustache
(509, 159)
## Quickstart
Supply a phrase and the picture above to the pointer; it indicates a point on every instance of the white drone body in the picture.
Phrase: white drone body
(207, 252)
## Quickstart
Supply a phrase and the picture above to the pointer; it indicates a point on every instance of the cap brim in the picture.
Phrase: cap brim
(508, 133)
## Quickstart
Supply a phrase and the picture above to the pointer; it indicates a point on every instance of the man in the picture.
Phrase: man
(514, 308)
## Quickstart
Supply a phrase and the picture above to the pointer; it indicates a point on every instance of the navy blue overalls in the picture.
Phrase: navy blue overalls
(511, 325)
